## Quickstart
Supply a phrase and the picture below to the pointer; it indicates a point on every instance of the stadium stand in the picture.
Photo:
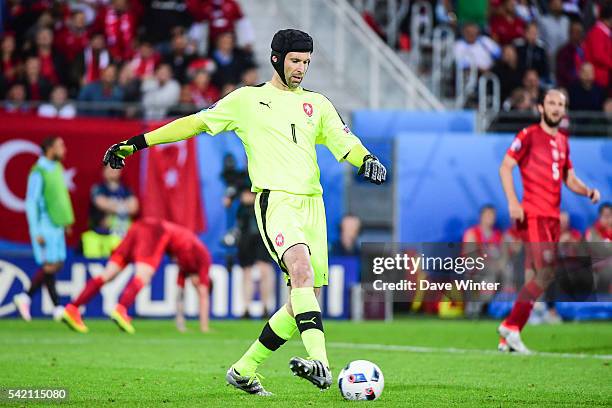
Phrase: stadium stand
(108, 54)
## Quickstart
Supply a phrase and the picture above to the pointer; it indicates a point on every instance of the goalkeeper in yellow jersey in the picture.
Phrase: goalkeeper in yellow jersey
(279, 124)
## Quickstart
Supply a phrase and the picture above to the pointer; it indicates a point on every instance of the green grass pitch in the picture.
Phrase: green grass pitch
(425, 363)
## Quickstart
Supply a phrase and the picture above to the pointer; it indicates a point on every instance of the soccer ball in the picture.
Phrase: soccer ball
(361, 380)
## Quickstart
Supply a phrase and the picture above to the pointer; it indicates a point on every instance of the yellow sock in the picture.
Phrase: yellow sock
(280, 328)
(309, 322)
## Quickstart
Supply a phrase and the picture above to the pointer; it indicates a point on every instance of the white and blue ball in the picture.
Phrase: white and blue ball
(361, 380)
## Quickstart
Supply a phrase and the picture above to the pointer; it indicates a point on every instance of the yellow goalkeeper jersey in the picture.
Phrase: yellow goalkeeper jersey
(279, 130)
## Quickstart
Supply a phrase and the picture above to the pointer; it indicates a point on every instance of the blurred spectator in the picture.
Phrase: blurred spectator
(506, 69)
(568, 234)
(249, 77)
(20, 16)
(601, 231)
(570, 56)
(92, 61)
(37, 87)
(160, 92)
(585, 94)
(72, 38)
(118, 22)
(526, 10)
(51, 64)
(554, 28)
(229, 60)
(11, 62)
(506, 26)
(608, 107)
(223, 16)
(160, 17)
(44, 21)
(105, 90)
(598, 46)
(145, 61)
(129, 84)
(201, 63)
(203, 93)
(186, 98)
(513, 239)
(484, 240)
(475, 49)
(15, 101)
(113, 204)
(520, 100)
(531, 53)
(87, 7)
(185, 104)
(227, 89)
(484, 232)
(59, 107)
(444, 14)
(179, 57)
(348, 244)
(531, 83)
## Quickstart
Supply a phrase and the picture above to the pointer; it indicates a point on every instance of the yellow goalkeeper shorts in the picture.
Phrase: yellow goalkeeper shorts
(285, 220)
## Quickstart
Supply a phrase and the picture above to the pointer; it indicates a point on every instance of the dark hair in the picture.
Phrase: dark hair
(542, 95)
(487, 206)
(47, 143)
(576, 22)
(603, 206)
(606, 11)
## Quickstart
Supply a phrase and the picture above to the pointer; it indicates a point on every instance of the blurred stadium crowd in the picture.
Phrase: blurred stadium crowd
(162, 57)
(528, 44)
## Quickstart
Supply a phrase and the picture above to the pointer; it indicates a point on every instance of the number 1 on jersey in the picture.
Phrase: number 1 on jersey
(293, 132)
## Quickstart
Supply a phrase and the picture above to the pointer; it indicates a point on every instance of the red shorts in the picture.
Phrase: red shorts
(144, 243)
(197, 262)
(540, 236)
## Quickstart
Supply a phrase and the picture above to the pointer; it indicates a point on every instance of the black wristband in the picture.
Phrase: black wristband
(139, 142)
(368, 157)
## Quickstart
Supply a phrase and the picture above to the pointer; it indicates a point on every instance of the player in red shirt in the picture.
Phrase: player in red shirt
(542, 153)
(144, 245)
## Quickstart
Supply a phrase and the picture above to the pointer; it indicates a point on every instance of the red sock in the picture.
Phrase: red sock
(522, 307)
(130, 292)
(91, 289)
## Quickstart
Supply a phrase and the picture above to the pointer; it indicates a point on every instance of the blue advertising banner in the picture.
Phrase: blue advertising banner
(158, 300)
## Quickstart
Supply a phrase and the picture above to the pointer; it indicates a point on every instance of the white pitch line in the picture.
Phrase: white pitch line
(453, 350)
(339, 345)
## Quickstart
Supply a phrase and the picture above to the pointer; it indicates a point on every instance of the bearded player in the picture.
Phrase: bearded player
(542, 153)
(279, 124)
(144, 245)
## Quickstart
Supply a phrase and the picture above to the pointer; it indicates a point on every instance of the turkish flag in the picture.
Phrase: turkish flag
(86, 141)
(172, 186)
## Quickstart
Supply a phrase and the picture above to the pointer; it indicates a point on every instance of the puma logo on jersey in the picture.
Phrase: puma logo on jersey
(309, 321)
(266, 104)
